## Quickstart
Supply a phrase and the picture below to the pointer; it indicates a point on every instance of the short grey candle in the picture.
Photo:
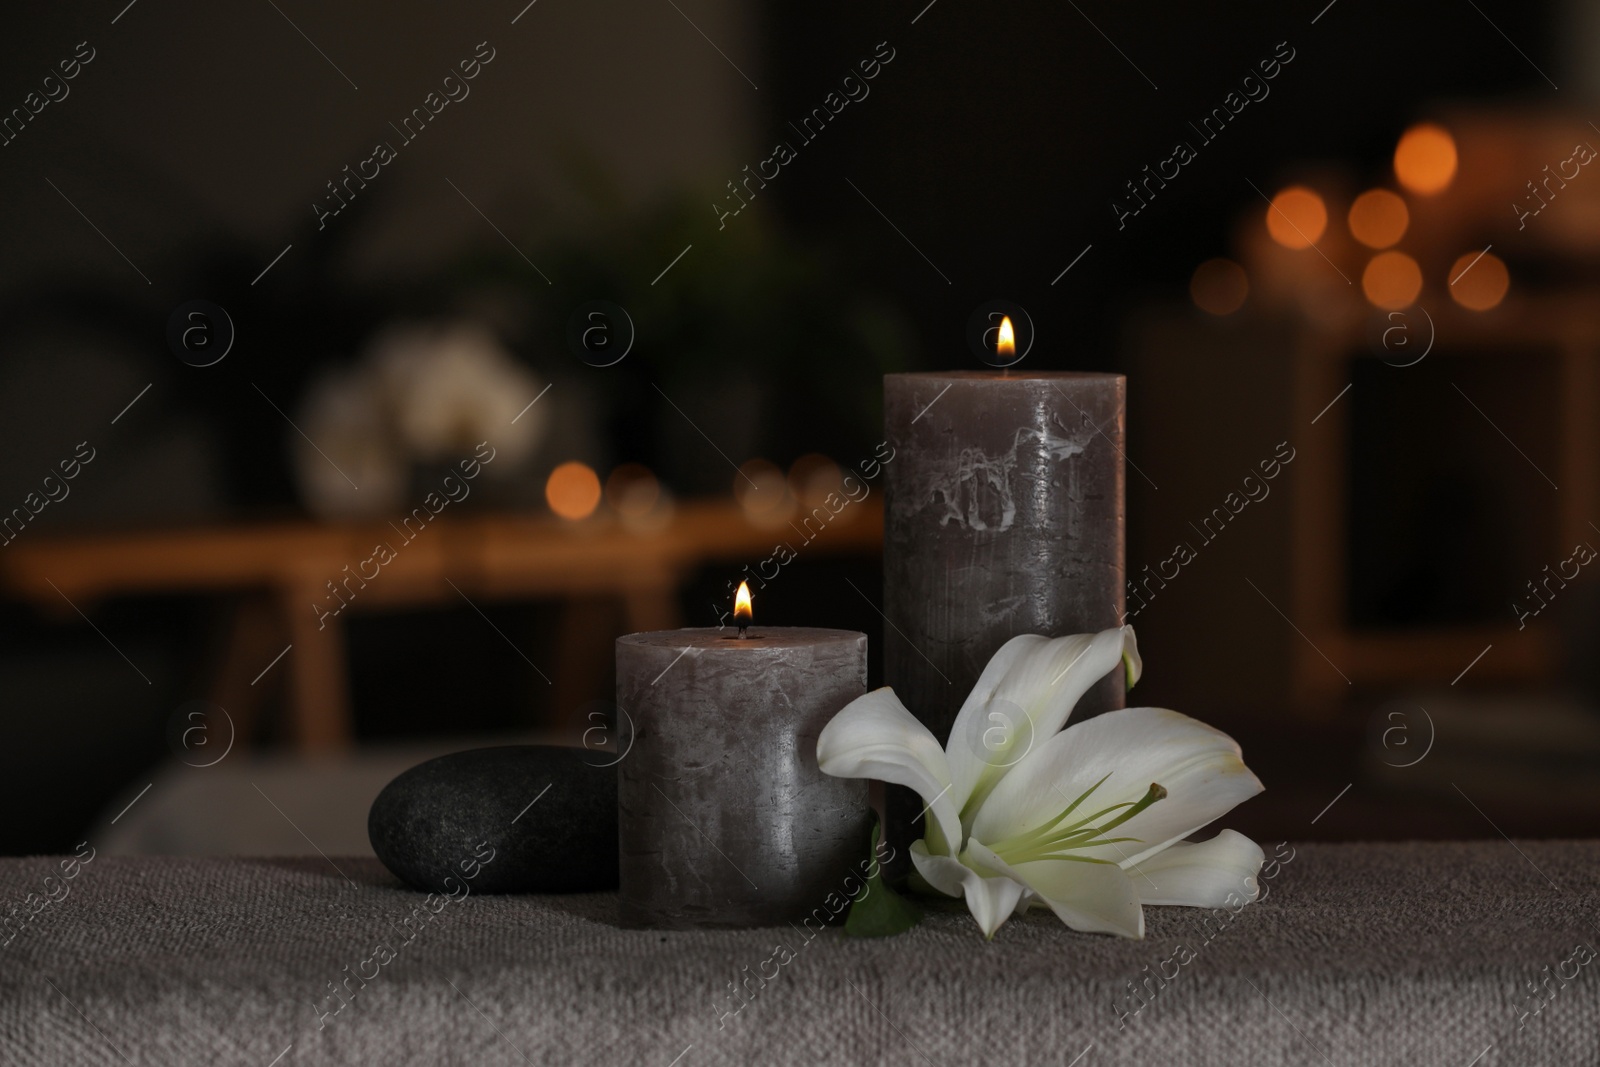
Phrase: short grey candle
(1004, 516)
(726, 819)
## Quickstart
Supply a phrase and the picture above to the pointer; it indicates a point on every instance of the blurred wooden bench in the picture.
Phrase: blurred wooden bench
(276, 576)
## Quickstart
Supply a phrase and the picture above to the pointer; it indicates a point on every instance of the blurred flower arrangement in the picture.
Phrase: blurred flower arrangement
(354, 372)
(422, 394)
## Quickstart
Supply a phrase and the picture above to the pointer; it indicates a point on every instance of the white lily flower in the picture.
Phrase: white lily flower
(1088, 820)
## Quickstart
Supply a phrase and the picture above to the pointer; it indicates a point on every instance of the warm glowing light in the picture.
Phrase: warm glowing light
(1379, 218)
(1006, 344)
(632, 491)
(742, 611)
(762, 490)
(1479, 282)
(1392, 280)
(1219, 286)
(572, 491)
(813, 477)
(1425, 158)
(1296, 217)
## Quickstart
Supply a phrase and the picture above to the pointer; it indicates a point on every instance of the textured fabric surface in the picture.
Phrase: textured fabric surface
(1359, 954)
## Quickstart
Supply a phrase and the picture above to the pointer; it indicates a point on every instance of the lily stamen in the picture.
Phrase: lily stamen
(1079, 836)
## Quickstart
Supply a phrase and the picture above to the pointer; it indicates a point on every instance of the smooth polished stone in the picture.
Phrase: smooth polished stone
(548, 813)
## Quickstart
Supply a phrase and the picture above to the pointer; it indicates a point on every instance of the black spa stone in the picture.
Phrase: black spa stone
(447, 817)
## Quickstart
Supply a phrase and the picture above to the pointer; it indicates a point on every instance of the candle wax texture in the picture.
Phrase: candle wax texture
(725, 818)
(1003, 516)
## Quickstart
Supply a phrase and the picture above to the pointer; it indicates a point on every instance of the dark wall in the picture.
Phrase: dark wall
(996, 139)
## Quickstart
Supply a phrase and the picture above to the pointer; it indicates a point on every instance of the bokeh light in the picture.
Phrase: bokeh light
(1296, 217)
(761, 490)
(1219, 286)
(1425, 159)
(1392, 280)
(812, 477)
(573, 491)
(1379, 218)
(642, 503)
(1479, 282)
(632, 491)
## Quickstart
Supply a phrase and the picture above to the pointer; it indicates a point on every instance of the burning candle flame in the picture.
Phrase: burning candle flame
(1006, 344)
(742, 613)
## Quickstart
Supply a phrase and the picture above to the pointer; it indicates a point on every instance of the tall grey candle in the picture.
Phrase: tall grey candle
(1003, 516)
(726, 819)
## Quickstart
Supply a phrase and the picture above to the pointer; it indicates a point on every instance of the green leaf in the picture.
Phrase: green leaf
(880, 911)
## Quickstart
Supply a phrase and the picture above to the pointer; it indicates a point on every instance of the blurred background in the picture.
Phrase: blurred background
(283, 284)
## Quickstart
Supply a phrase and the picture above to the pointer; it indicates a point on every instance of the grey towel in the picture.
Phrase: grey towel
(1359, 954)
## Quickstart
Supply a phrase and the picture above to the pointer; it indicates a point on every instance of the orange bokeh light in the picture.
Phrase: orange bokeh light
(572, 491)
(1392, 280)
(1425, 158)
(1479, 282)
(812, 477)
(1296, 217)
(632, 490)
(1219, 286)
(1379, 218)
(761, 489)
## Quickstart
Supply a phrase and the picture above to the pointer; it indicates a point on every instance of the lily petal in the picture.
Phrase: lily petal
(1096, 898)
(992, 900)
(874, 736)
(1023, 698)
(1202, 874)
(1200, 768)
